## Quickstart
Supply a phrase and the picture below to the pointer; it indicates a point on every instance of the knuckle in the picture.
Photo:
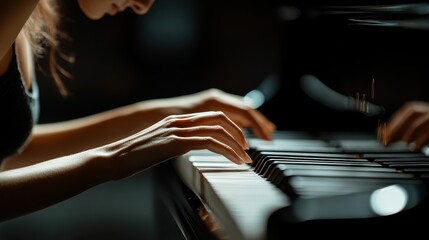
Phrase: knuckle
(170, 131)
(169, 123)
(168, 120)
(219, 129)
(214, 92)
(171, 139)
(219, 114)
(172, 122)
(209, 141)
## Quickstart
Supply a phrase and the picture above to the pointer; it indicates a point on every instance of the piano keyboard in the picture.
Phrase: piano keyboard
(312, 177)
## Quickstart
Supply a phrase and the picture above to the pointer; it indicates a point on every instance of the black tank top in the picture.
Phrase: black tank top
(19, 110)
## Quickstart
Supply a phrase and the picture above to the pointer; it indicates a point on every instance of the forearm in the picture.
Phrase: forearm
(31, 188)
(59, 139)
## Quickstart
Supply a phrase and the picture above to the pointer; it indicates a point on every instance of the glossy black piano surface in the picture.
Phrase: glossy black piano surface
(347, 47)
(325, 160)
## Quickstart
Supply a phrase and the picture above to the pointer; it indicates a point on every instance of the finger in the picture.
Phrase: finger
(216, 132)
(242, 113)
(420, 142)
(398, 125)
(253, 119)
(420, 136)
(186, 144)
(260, 118)
(418, 127)
(403, 118)
(212, 118)
(260, 126)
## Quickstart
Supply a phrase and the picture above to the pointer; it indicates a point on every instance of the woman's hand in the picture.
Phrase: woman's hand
(235, 107)
(410, 124)
(176, 135)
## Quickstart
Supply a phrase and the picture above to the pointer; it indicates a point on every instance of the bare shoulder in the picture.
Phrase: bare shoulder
(13, 16)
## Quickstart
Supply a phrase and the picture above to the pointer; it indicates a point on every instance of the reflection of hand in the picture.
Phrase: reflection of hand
(233, 106)
(410, 124)
(176, 135)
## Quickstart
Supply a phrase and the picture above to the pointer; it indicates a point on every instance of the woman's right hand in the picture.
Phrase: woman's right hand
(409, 124)
(176, 135)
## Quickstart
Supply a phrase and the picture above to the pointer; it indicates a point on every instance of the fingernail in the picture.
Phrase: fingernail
(247, 159)
(273, 127)
(268, 137)
(246, 145)
(412, 146)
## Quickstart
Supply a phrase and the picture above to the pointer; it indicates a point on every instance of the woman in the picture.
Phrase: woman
(49, 163)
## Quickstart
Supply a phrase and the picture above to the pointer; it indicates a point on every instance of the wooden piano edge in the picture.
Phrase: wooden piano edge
(183, 205)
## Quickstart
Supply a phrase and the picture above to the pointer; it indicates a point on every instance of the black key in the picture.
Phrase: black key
(283, 166)
(266, 168)
(263, 155)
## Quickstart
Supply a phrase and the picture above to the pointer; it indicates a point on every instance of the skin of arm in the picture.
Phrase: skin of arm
(53, 140)
(13, 15)
(28, 189)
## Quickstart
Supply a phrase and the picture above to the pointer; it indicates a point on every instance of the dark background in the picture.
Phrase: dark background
(179, 47)
(185, 46)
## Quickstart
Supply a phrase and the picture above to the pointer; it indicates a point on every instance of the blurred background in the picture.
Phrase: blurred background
(185, 46)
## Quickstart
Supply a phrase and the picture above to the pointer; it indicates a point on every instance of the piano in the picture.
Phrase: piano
(326, 172)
